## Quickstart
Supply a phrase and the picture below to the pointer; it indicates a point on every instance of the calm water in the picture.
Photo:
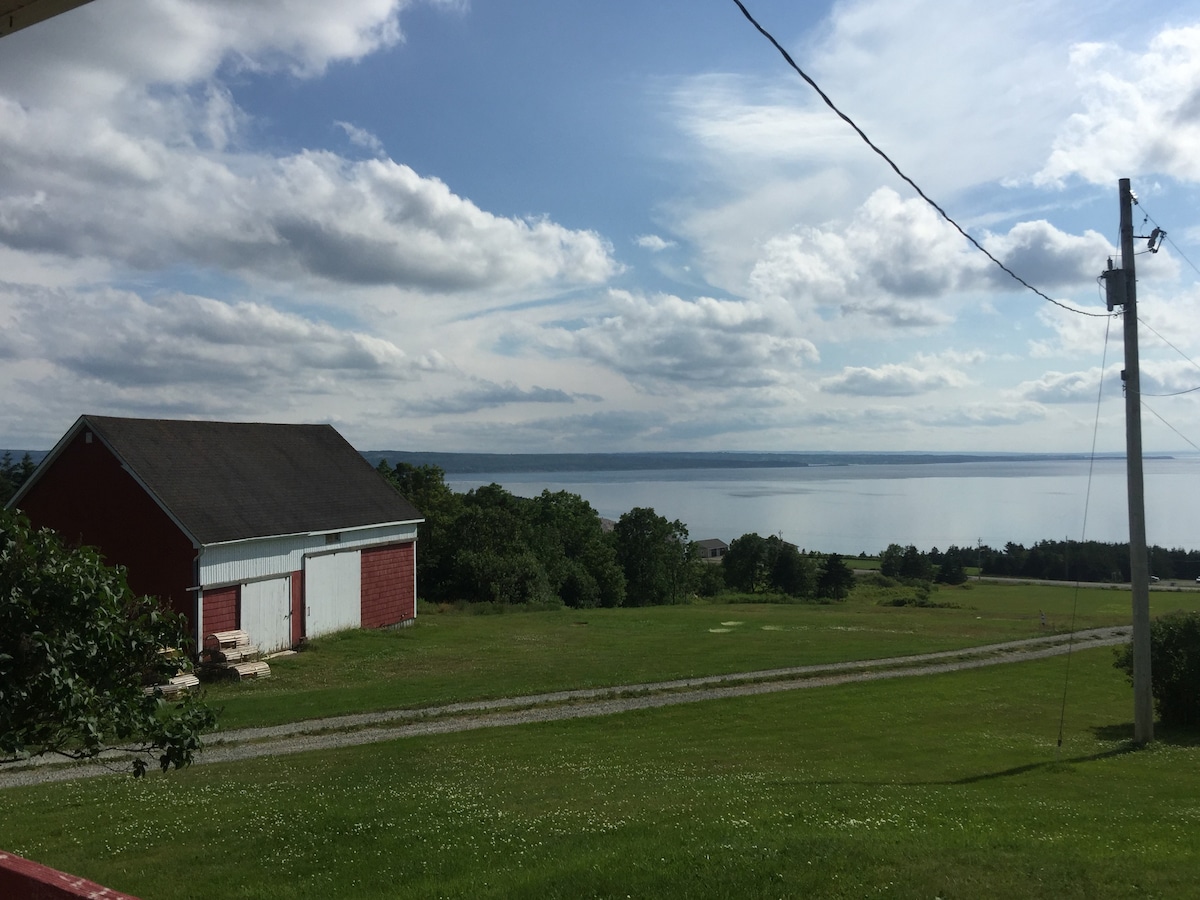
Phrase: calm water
(849, 509)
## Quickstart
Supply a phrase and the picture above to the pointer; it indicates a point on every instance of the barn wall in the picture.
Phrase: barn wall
(388, 585)
(89, 498)
(221, 609)
(297, 607)
(251, 560)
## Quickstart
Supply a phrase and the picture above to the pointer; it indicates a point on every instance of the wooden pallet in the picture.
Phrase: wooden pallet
(177, 684)
(251, 669)
(230, 653)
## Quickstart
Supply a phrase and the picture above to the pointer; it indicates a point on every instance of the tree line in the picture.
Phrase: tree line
(489, 545)
(1064, 560)
(13, 474)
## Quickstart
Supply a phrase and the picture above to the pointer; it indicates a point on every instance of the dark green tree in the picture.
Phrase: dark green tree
(915, 565)
(567, 536)
(791, 573)
(425, 487)
(951, 571)
(492, 559)
(746, 564)
(1174, 667)
(710, 579)
(655, 554)
(836, 578)
(7, 488)
(891, 561)
(77, 647)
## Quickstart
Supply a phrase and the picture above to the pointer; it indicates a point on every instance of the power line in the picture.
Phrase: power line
(1168, 424)
(895, 168)
(1164, 236)
(1062, 715)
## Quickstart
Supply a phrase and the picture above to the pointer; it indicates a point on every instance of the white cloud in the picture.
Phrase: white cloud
(102, 49)
(663, 341)
(1141, 112)
(890, 263)
(1069, 387)
(488, 395)
(925, 375)
(308, 216)
(127, 342)
(134, 156)
(653, 243)
(1046, 257)
(360, 137)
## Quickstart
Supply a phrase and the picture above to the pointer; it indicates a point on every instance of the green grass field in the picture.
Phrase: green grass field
(941, 786)
(452, 657)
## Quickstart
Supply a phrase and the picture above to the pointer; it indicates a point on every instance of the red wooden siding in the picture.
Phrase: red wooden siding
(297, 607)
(24, 878)
(388, 592)
(88, 498)
(221, 609)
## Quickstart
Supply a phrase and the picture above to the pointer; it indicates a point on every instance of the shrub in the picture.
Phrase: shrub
(1174, 667)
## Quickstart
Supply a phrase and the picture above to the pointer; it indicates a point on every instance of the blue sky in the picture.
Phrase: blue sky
(555, 225)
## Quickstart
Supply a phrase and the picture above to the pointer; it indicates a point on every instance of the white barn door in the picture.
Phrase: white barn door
(266, 613)
(332, 585)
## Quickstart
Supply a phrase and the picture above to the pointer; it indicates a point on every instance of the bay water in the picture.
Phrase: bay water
(863, 508)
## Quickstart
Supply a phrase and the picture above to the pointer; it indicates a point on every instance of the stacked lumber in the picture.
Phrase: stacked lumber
(177, 684)
(230, 653)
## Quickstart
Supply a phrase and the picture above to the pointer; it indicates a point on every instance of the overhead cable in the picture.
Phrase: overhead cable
(895, 168)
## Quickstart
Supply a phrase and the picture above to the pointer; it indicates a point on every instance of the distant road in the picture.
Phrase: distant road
(1174, 584)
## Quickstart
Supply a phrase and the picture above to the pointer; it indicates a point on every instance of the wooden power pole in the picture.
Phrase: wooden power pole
(1122, 290)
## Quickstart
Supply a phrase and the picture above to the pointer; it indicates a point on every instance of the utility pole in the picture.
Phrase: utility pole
(1121, 287)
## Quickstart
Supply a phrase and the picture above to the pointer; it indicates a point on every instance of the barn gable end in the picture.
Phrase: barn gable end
(283, 528)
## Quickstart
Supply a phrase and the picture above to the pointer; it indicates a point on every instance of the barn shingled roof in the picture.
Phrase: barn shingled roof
(228, 481)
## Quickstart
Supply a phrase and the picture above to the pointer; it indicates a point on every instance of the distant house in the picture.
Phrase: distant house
(712, 548)
(284, 531)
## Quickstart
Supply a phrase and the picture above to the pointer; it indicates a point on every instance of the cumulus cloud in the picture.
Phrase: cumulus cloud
(1141, 112)
(1047, 257)
(123, 340)
(895, 380)
(311, 215)
(148, 169)
(484, 395)
(103, 48)
(1076, 335)
(663, 340)
(889, 262)
(898, 265)
(653, 243)
(1069, 387)
(1169, 378)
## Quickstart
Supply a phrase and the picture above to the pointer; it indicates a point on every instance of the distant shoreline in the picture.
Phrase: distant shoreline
(496, 463)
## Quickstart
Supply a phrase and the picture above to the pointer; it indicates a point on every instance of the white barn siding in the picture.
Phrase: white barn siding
(332, 587)
(253, 560)
(266, 613)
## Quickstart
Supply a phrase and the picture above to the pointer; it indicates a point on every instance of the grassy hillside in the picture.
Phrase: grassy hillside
(455, 656)
(948, 785)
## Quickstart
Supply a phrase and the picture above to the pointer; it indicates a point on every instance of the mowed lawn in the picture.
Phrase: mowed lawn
(939, 786)
(453, 657)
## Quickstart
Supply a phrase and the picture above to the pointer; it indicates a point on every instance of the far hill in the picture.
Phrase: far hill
(494, 463)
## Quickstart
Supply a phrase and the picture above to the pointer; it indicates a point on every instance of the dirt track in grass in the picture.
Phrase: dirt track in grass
(369, 728)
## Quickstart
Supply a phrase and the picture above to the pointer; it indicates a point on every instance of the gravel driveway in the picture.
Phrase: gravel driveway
(369, 728)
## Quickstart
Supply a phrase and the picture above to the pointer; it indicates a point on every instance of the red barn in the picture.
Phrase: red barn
(284, 531)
